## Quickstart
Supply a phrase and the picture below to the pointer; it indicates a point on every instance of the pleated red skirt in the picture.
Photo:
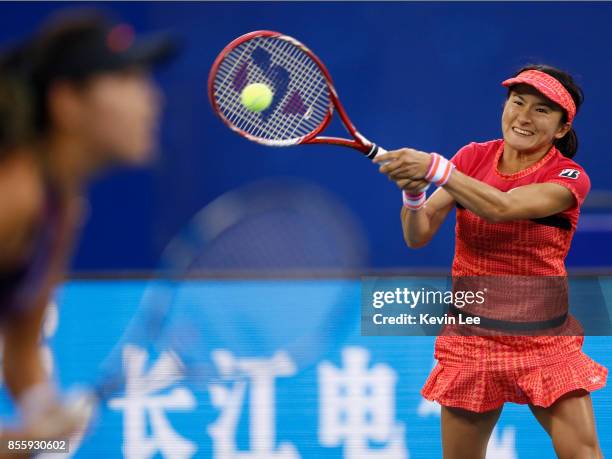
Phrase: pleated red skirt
(479, 373)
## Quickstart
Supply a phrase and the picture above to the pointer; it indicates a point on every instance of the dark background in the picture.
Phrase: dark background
(424, 75)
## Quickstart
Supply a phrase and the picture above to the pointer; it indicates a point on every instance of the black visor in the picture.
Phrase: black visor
(78, 49)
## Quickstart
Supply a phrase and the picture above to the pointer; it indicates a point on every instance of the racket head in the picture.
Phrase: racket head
(262, 269)
(303, 93)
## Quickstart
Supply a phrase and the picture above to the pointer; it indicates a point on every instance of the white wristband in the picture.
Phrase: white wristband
(413, 201)
(439, 170)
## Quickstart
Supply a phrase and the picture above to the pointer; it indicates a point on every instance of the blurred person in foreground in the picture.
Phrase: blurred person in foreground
(75, 100)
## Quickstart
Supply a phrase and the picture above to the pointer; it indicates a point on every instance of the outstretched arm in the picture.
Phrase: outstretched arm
(525, 202)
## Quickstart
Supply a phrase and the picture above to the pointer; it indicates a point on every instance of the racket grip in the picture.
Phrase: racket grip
(381, 151)
(376, 151)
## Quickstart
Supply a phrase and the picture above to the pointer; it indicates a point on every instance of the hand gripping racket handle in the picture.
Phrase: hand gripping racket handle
(378, 151)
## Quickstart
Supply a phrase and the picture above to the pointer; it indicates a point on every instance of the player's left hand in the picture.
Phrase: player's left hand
(405, 163)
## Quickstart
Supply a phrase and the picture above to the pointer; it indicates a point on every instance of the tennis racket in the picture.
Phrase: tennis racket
(304, 97)
(264, 269)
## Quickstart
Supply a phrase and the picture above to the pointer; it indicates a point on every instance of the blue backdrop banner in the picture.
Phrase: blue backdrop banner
(358, 399)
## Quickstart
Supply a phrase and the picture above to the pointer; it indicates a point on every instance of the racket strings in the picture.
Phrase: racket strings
(294, 59)
(314, 86)
(253, 117)
(303, 86)
(275, 129)
(263, 129)
(301, 97)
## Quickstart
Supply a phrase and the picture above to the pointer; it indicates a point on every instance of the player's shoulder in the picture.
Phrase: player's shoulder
(21, 189)
(566, 167)
(568, 173)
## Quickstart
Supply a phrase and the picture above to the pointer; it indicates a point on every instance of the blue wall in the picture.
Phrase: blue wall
(424, 75)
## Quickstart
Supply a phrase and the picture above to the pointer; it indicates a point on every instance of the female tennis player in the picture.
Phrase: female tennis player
(91, 104)
(518, 200)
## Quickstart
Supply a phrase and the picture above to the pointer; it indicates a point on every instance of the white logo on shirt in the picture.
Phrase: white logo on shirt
(570, 173)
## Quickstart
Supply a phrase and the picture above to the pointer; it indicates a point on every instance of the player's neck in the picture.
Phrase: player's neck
(68, 164)
(513, 160)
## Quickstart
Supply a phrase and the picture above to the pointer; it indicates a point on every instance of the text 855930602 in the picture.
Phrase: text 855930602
(35, 446)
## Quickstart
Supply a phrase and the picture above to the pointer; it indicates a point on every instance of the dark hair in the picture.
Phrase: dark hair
(568, 144)
(76, 45)
(24, 81)
(57, 37)
(16, 123)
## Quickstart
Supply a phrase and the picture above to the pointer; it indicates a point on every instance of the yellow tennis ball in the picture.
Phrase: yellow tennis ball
(256, 97)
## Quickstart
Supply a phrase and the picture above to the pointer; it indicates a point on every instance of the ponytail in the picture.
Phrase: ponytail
(568, 144)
